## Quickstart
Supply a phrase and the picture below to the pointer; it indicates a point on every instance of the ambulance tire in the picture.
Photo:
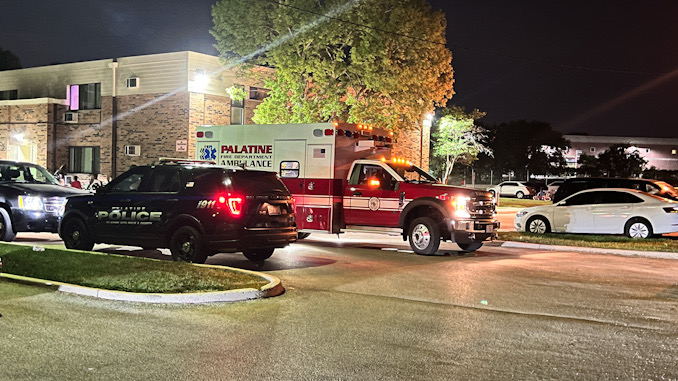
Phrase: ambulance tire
(470, 246)
(258, 255)
(187, 245)
(424, 236)
(303, 235)
(76, 236)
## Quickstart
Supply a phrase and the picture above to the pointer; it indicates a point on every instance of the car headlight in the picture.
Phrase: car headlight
(31, 203)
(521, 213)
(459, 207)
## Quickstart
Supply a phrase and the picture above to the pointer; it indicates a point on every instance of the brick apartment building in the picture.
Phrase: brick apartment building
(660, 153)
(101, 117)
(104, 116)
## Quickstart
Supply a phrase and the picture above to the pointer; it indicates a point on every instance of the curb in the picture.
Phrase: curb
(273, 288)
(596, 250)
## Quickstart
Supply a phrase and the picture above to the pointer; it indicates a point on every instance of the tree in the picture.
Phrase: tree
(8, 61)
(621, 160)
(458, 140)
(522, 146)
(381, 62)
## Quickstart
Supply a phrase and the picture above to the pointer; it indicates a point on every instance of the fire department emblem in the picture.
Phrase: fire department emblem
(373, 204)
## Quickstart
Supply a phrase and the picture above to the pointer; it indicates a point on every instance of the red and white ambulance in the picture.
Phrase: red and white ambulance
(343, 178)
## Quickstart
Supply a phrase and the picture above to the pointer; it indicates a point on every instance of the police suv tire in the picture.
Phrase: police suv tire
(76, 236)
(470, 246)
(6, 232)
(424, 236)
(258, 255)
(187, 245)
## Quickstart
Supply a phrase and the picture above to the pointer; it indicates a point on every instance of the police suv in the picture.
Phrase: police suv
(194, 209)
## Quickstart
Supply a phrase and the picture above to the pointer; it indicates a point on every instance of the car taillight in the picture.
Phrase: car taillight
(233, 202)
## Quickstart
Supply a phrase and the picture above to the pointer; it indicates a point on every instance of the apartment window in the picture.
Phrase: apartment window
(673, 152)
(8, 95)
(84, 97)
(83, 159)
(238, 110)
(592, 149)
(133, 82)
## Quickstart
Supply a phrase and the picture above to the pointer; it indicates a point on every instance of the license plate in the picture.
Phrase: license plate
(273, 210)
(489, 229)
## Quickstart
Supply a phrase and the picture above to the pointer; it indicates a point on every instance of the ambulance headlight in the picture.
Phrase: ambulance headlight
(459, 207)
(31, 203)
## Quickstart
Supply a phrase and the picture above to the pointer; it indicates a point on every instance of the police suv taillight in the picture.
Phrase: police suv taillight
(232, 202)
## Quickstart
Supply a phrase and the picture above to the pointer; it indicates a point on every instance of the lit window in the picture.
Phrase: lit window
(673, 152)
(238, 110)
(84, 97)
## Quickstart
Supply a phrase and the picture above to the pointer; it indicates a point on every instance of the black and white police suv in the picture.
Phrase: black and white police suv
(194, 209)
(31, 200)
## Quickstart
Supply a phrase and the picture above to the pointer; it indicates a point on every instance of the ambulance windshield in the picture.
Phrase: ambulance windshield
(413, 174)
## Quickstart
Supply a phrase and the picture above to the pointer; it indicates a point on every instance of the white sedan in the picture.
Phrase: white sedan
(603, 211)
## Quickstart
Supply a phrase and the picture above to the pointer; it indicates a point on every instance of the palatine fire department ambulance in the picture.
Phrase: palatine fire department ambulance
(343, 177)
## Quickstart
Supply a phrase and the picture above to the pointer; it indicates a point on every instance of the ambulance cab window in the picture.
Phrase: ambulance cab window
(367, 174)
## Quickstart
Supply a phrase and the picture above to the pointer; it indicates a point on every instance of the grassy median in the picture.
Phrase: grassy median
(591, 240)
(119, 272)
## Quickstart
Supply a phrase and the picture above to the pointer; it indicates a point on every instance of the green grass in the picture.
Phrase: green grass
(590, 240)
(121, 273)
(521, 203)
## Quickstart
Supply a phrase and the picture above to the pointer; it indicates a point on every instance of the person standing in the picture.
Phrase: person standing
(75, 183)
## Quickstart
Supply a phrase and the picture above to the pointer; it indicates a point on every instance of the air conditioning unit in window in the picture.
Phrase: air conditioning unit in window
(133, 150)
(71, 117)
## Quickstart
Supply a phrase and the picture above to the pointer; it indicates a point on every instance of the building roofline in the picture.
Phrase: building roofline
(33, 101)
(634, 141)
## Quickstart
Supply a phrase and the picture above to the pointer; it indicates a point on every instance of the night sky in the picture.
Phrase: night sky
(595, 67)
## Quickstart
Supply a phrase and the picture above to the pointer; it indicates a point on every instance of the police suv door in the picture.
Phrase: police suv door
(113, 207)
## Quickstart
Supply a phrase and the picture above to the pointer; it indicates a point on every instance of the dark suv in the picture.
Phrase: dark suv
(576, 184)
(195, 210)
(31, 200)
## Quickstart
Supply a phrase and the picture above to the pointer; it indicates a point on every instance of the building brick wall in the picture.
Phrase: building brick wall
(411, 146)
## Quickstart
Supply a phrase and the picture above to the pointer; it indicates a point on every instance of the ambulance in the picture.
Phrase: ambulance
(343, 178)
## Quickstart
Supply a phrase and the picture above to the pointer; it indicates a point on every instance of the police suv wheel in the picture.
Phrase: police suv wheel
(76, 236)
(424, 236)
(6, 232)
(187, 245)
(258, 255)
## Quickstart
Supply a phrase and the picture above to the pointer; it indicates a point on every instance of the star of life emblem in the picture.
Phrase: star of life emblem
(373, 204)
(208, 153)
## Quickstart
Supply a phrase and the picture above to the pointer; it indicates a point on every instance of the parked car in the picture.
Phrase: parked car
(603, 211)
(575, 184)
(31, 199)
(552, 187)
(512, 189)
(195, 210)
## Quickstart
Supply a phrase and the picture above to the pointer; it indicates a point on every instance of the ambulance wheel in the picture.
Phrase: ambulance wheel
(470, 246)
(76, 236)
(424, 236)
(303, 235)
(186, 245)
(258, 255)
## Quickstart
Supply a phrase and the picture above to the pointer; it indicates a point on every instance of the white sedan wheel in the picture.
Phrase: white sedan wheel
(639, 230)
(537, 226)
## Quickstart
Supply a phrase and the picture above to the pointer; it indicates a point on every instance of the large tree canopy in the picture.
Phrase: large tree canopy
(381, 62)
(8, 60)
